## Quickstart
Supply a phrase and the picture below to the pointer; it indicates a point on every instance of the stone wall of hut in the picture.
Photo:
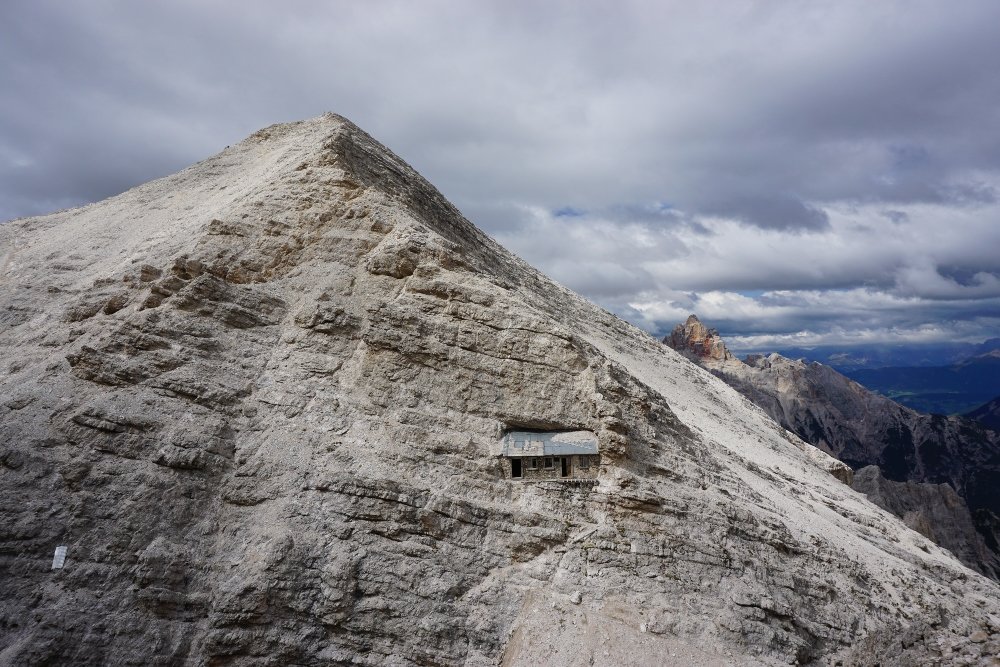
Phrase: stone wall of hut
(538, 468)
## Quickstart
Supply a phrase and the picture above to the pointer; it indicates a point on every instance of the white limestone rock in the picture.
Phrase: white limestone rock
(274, 443)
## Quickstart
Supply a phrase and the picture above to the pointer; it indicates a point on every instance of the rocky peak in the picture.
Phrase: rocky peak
(697, 340)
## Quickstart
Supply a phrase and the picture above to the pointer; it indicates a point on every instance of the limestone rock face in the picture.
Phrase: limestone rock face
(911, 449)
(261, 401)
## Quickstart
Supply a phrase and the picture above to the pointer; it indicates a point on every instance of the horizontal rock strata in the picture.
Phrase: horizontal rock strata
(261, 403)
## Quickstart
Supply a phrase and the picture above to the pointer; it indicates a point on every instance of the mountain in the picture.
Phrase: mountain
(260, 413)
(939, 378)
(846, 358)
(861, 428)
(987, 414)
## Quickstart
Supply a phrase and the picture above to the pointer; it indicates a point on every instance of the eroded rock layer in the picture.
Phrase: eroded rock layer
(261, 403)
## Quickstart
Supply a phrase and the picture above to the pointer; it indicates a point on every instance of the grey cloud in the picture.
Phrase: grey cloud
(597, 256)
(897, 217)
(828, 320)
(828, 130)
(784, 213)
(656, 214)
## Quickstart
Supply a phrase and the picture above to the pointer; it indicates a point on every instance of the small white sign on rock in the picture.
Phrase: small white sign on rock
(59, 559)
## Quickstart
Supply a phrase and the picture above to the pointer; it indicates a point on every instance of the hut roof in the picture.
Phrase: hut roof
(549, 443)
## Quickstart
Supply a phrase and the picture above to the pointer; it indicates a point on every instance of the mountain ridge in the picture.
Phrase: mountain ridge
(987, 414)
(862, 428)
(846, 358)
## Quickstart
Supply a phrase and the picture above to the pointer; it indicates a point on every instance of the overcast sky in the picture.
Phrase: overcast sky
(793, 172)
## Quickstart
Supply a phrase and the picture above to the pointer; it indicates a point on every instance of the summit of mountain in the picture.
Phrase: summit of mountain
(260, 412)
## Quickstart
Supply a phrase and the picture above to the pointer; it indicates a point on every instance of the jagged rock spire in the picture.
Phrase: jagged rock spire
(696, 339)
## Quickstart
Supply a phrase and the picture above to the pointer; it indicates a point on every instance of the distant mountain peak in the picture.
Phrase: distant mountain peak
(695, 339)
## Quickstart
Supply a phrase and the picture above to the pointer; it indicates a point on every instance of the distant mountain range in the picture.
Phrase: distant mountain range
(954, 389)
(940, 474)
(846, 358)
(948, 378)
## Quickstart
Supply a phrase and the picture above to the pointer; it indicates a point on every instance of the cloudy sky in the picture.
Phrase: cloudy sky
(795, 173)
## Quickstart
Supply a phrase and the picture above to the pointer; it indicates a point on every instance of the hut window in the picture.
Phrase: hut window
(533, 463)
(583, 461)
(548, 462)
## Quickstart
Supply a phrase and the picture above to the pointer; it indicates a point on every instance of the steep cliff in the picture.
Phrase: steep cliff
(862, 428)
(261, 402)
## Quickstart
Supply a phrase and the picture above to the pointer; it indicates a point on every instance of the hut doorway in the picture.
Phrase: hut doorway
(565, 466)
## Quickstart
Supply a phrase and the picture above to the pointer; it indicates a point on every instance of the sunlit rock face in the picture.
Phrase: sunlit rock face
(262, 404)
(695, 340)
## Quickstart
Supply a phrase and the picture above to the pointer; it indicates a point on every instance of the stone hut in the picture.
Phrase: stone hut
(550, 455)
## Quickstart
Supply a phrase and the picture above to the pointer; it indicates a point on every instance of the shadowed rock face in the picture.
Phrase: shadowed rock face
(261, 402)
(987, 414)
(910, 449)
(933, 510)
